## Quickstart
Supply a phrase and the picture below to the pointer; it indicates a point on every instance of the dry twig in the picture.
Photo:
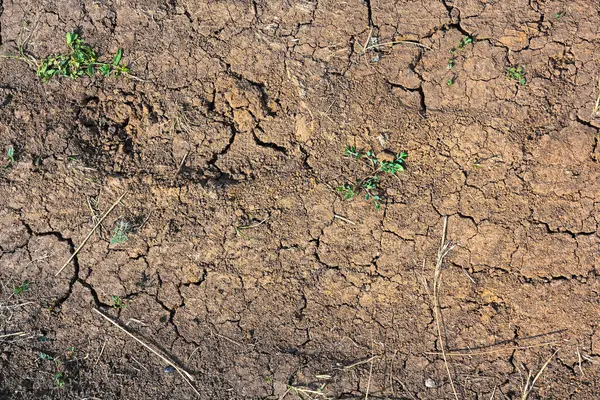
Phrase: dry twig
(530, 383)
(443, 251)
(187, 377)
(90, 234)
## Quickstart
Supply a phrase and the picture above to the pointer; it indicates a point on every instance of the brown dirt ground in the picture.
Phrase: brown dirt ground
(242, 116)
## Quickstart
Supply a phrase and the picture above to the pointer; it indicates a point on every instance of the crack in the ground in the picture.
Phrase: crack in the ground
(369, 13)
(76, 267)
(1, 12)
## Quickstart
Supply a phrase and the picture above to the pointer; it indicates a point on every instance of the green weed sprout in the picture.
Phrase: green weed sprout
(120, 232)
(23, 287)
(517, 74)
(117, 302)
(347, 191)
(82, 61)
(10, 157)
(370, 184)
(464, 42)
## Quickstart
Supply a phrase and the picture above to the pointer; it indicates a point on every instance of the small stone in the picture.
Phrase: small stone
(430, 383)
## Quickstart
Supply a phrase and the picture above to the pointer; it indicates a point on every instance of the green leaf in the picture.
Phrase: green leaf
(105, 69)
(118, 56)
(71, 38)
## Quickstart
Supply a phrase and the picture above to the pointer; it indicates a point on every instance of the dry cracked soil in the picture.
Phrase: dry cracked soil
(242, 264)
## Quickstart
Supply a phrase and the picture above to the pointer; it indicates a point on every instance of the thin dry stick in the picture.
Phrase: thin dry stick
(254, 225)
(17, 305)
(165, 359)
(190, 356)
(480, 353)
(225, 337)
(182, 162)
(101, 351)
(442, 252)
(349, 367)
(529, 386)
(285, 393)
(184, 374)
(12, 334)
(369, 381)
(367, 41)
(397, 42)
(579, 361)
(90, 234)
(597, 105)
(344, 219)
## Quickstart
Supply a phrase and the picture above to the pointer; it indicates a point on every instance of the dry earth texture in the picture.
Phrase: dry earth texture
(238, 262)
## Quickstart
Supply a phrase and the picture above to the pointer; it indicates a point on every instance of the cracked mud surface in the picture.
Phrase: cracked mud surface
(241, 119)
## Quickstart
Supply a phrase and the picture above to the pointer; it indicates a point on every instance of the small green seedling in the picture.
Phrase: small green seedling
(82, 61)
(49, 305)
(59, 379)
(517, 74)
(370, 184)
(347, 190)
(394, 166)
(59, 375)
(44, 356)
(117, 302)
(352, 152)
(23, 287)
(464, 42)
(453, 59)
(10, 156)
(120, 232)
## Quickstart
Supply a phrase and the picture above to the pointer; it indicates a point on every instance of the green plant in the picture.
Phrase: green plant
(59, 375)
(120, 232)
(347, 190)
(464, 41)
(517, 74)
(44, 356)
(117, 302)
(452, 60)
(59, 379)
(351, 151)
(23, 287)
(49, 305)
(81, 61)
(370, 184)
(10, 157)
(394, 166)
